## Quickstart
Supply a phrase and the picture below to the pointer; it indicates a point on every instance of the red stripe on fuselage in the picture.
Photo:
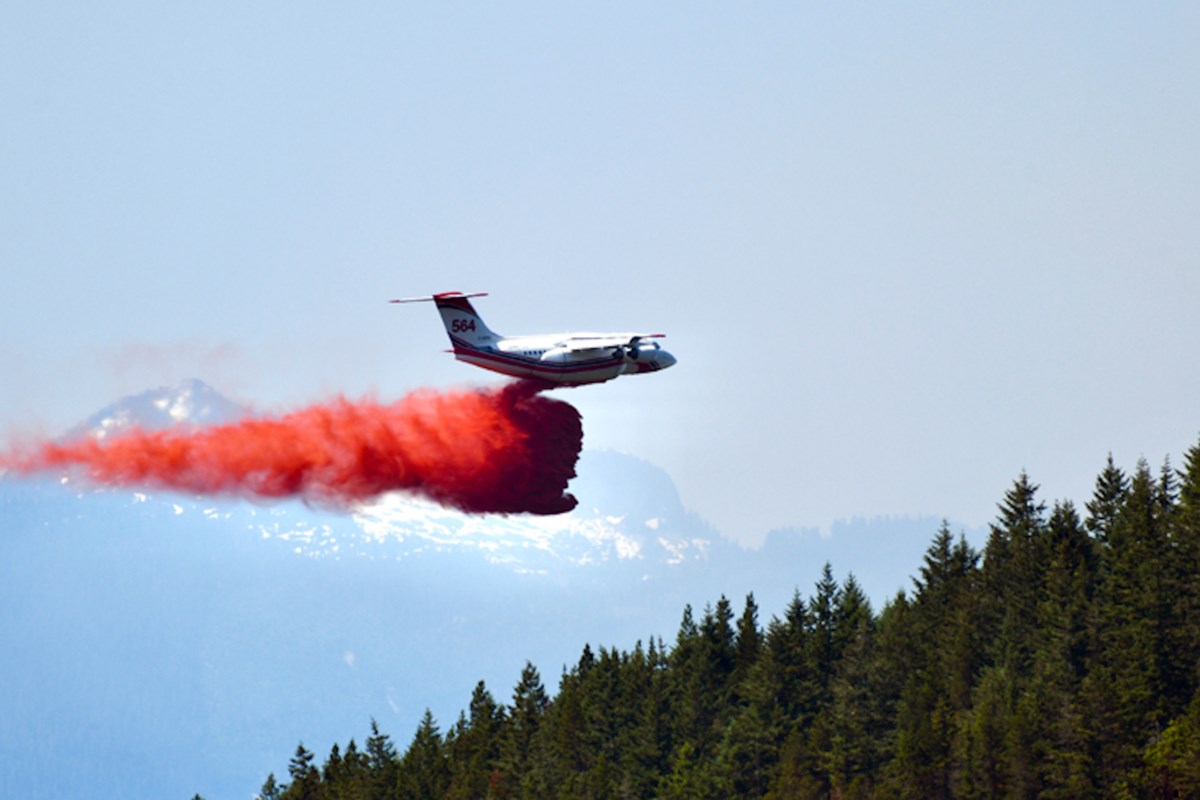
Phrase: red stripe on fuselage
(532, 363)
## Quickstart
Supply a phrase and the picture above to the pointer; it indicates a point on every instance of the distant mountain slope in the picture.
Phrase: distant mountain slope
(192, 404)
(160, 644)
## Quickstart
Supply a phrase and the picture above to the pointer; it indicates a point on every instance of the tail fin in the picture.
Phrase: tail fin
(463, 324)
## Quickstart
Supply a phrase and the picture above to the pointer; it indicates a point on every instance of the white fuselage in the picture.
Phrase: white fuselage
(557, 358)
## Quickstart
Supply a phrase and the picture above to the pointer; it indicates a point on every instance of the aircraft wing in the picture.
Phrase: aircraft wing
(605, 341)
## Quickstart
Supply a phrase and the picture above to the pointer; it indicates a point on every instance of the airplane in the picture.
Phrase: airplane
(562, 359)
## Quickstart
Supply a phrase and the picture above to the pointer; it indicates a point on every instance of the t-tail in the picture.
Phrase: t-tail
(464, 326)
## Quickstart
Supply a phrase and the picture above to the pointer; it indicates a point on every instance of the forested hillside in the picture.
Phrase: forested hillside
(1061, 661)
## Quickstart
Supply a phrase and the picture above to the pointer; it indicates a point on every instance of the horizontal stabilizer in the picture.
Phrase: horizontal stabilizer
(432, 298)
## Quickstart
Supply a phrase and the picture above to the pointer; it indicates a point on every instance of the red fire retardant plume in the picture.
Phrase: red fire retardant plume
(507, 450)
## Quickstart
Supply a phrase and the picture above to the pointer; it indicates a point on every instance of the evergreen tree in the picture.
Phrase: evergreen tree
(689, 778)
(474, 748)
(1185, 538)
(895, 658)
(424, 773)
(271, 790)
(853, 612)
(942, 630)
(747, 753)
(1012, 567)
(982, 745)
(1060, 652)
(685, 690)
(948, 623)
(522, 769)
(1126, 686)
(1172, 760)
(383, 765)
(720, 648)
(855, 722)
(567, 723)
(606, 718)
(331, 772)
(789, 674)
(1179, 656)
(797, 778)
(749, 643)
(352, 780)
(306, 779)
(822, 613)
(1107, 499)
(643, 738)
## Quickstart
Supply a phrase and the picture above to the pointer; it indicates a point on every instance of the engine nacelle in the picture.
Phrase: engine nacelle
(559, 355)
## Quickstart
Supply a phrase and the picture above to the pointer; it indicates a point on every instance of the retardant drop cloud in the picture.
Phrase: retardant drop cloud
(506, 450)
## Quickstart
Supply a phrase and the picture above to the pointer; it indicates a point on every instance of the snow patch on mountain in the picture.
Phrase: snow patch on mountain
(575, 538)
(629, 510)
(191, 404)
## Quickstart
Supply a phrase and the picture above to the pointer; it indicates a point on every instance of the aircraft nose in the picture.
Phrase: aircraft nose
(664, 359)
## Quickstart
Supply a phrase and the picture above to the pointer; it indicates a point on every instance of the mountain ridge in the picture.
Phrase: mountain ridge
(129, 610)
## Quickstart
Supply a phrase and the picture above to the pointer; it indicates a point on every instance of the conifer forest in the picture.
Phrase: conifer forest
(1061, 661)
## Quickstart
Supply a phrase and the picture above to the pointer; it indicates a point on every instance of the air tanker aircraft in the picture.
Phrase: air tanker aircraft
(565, 359)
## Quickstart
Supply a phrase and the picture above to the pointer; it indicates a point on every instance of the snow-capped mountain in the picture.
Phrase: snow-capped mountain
(191, 404)
(205, 635)
(160, 644)
(629, 510)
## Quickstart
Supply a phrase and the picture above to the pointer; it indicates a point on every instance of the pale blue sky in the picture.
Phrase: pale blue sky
(902, 252)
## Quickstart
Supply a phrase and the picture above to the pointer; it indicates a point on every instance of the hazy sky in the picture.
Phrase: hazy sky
(902, 251)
